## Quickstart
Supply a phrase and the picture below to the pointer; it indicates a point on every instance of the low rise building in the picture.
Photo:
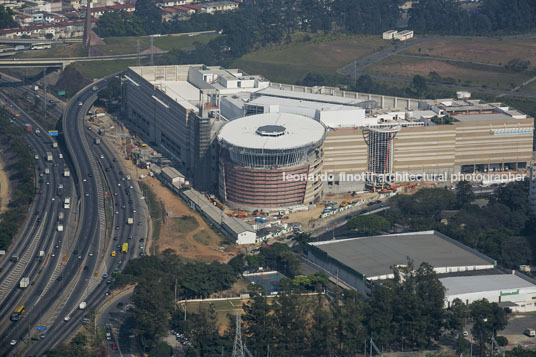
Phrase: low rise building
(404, 35)
(389, 34)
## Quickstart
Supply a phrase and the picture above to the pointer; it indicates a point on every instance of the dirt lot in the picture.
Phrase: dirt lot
(185, 231)
(4, 185)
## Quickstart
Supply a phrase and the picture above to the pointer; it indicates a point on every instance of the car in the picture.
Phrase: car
(75, 252)
(86, 194)
(120, 173)
(53, 254)
(13, 342)
(42, 336)
(133, 211)
(130, 201)
(123, 206)
(37, 212)
(67, 318)
(119, 304)
(109, 281)
(141, 239)
(59, 278)
(40, 180)
(141, 246)
(104, 276)
(39, 220)
(142, 254)
(116, 212)
(465, 333)
(90, 254)
(80, 104)
(85, 180)
(90, 175)
(116, 238)
(86, 268)
(115, 193)
(79, 257)
(130, 236)
(118, 246)
(116, 228)
(114, 159)
(118, 184)
(108, 336)
(102, 156)
(57, 246)
(139, 224)
(107, 169)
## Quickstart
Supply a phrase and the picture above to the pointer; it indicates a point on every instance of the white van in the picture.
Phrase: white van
(530, 332)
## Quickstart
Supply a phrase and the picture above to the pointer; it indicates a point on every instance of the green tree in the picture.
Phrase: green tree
(464, 193)
(259, 325)
(419, 85)
(313, 79)
(6, 18)
(367, 225)
(489, 319)
(364, 83)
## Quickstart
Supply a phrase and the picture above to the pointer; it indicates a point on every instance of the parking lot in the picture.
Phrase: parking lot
(517, 324)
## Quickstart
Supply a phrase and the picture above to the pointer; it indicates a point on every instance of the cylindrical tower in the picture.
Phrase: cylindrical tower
(380, 141)
(271, 160)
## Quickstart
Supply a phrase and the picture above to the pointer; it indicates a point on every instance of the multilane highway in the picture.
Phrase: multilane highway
(89, 256)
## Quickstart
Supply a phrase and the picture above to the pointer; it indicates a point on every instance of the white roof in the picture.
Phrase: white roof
(296, 131)
(459, 285)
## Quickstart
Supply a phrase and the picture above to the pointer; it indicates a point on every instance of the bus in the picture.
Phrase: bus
(17, 314)
(40, 46)
(124, 248)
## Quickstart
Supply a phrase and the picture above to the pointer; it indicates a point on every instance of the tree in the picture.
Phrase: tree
(364, 83)
(259, 325)
(464, 193)
(313, 79)
(488, 318)
(367, 225)
(238, 263)
(419, 85)
(150, 16)
(6, 18)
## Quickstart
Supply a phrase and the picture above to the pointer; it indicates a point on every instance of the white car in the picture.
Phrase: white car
(80, 103)
(13, 342)
(67, 318)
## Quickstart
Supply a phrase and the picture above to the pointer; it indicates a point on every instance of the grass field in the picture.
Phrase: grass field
(98, 69)
(203, 237)
(184, 224)
(479, 49)
(324, 54)
(462, 73)
(72, 50)
(129, 45)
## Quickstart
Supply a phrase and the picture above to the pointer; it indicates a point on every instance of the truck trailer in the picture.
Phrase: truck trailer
(24, 282)
(49, 156)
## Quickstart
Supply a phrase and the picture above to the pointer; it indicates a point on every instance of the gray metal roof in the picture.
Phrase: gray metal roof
(473, 284)
(374, 256)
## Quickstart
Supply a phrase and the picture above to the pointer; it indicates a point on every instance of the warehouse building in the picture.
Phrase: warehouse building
(357, 262)
(515, 291)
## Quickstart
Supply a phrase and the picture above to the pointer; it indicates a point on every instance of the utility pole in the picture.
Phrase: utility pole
(152, 52)
(239, 348)
(138, 51)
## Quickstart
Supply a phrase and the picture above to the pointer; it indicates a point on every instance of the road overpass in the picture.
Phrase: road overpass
(63, 62)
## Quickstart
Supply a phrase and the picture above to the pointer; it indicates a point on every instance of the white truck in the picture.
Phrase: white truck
(66, 172)
(61, 216)
(36, 87)
(54, 145)
(24, 282)
(97, 141)
(49, 156)
(37, 132)
(67, 203)
(130, 220)
(41, 253)
(82, 305)
(60, 227)
(47, 171)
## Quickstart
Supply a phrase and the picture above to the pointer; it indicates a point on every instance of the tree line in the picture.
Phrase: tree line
(402, 314)
(23, 177)
(503, 229)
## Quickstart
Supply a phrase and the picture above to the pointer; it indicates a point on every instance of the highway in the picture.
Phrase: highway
(88, 256)
(40, 230)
